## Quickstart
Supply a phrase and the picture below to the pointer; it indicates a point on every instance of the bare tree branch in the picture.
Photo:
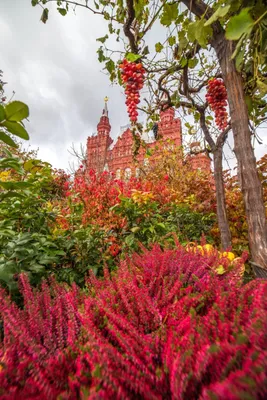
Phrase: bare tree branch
(77, 4)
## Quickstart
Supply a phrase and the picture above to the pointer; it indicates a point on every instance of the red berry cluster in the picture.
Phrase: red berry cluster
(133, 79)
(217, 99)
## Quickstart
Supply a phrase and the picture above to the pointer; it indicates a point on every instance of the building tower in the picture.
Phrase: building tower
(97, 146)
(170, 127)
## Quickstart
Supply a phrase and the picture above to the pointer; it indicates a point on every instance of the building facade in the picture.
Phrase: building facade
(104, 154)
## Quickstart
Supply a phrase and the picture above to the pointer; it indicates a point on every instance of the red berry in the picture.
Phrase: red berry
(217, 98)
(133, 78)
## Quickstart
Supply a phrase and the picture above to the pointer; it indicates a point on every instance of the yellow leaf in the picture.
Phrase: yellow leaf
(220, 270)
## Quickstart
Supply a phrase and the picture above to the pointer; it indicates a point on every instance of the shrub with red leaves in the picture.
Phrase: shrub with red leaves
(164, 327)
(100, 192)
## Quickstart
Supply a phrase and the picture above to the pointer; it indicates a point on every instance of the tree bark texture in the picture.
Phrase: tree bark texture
(247, 172)
(220, 200)
(217, 149)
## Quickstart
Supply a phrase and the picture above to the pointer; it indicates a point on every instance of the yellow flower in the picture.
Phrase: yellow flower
(5, 176)
(229, 255)
(200, 250)
(208, 248)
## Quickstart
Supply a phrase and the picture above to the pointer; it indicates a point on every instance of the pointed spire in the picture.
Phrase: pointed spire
(105, 111)
(104, 125)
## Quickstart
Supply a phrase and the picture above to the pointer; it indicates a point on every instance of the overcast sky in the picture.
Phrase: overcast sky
(54, 69)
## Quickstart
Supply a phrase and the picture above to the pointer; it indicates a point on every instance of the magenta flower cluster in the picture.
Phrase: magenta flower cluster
(165, 326)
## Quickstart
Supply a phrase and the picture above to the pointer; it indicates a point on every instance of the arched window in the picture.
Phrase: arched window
(128, 173)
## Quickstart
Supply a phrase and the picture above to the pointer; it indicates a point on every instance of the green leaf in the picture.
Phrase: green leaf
(34, 2)
(110, 29)
(110, 66)
(145, 51)
(188, 125)
(170, 13)
(2, 113)
(135, 229)
(238, 47)
(132, 57)
(11, 194)
(249, 103)
(106, 15)
(6, 274)
(37, 268)
(102, 39)
(32, 164)
(239, 24)
(158, 47)
(16, 129)
(192, 63)
(101, 56)
(7, 139)
(197, 31)
(15, 185)
(239, 59)
(191, 31)
(183, 62)
(62, 11)
(262, 87)
(16, 111)
(11, 163)
(182, 42)
(172, 40)
(139, 8)
(44, 16)
(219, 13)
(203, 34)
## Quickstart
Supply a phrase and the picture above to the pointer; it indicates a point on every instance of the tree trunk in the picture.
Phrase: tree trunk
(220, 200)
(246, 162)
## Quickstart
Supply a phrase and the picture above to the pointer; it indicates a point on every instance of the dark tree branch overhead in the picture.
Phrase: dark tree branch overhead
(198, 7)
(127, 26)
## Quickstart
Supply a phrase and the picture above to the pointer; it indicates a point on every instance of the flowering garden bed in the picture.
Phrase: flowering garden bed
(166, 325)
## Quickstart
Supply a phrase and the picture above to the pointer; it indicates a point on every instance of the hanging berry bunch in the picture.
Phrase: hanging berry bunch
(217, 99)
(133, 78)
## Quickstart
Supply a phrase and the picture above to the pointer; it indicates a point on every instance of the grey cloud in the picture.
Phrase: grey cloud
(54, 69)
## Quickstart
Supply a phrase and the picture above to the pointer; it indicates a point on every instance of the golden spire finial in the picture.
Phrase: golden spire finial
(106, 99)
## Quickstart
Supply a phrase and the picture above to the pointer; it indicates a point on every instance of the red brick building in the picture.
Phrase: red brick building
(102, 154)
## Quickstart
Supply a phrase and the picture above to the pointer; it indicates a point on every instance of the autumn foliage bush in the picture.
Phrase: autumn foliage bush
(100, 192)
(195, 188)
(165, 326)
